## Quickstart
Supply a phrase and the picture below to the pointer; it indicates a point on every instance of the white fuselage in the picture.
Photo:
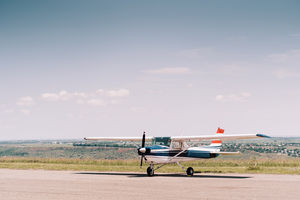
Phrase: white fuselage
(164, 156)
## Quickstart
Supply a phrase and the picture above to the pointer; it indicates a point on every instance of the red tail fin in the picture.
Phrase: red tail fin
(217, 142)
(220, 131)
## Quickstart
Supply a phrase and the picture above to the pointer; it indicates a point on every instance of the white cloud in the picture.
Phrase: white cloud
(26, 101)
(96, 102)
(170, 70)
(63, 96)
(79, 94)
(284, 73)
(100, 92)
(50, 96)
(233, 97)
(25, 111)
(118, 93)
(220, 97)
(100, 97)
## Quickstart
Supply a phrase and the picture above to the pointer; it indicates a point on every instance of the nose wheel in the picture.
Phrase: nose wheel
(150, 171)
(190, 171)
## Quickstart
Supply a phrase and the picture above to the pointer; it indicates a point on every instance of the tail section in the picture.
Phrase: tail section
(217, 143)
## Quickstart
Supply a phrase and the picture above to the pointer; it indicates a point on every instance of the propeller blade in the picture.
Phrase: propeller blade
(142, 160)
(143, 145)
(143, 140)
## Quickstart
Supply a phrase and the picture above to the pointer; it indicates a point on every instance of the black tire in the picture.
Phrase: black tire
(150, 171)
(190, 171)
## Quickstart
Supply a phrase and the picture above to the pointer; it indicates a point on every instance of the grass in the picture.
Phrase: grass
(265, 166)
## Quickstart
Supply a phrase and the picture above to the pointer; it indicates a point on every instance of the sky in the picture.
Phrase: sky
(71, 69)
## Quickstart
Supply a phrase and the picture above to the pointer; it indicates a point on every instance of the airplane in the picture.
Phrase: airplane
(174, 149)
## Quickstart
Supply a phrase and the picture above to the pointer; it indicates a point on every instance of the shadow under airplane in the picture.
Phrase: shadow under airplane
(134, 175)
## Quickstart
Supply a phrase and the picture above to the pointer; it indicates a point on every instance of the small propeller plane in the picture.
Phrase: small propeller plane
(174, 149)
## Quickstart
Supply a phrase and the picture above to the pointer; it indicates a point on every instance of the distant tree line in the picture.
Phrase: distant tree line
(104, 145)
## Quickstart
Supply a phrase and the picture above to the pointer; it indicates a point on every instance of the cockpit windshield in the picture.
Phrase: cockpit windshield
(164, 141)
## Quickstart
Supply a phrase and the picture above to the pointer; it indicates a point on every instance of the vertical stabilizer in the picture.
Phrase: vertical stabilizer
(217, 143)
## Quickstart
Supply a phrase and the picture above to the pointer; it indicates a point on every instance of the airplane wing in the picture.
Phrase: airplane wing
(130, 139)
(217, 136)
(183, 138)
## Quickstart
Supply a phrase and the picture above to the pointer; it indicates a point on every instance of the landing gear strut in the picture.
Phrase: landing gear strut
(189, 171)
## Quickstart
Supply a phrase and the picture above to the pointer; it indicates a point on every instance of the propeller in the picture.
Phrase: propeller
(142, 150)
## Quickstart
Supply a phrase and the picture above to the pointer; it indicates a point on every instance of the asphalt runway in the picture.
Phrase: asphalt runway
(70, 185)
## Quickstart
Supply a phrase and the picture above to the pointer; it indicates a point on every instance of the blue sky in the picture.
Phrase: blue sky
(70, 69)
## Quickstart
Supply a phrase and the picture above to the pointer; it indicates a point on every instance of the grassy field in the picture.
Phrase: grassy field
(266, 166)
(63, 155)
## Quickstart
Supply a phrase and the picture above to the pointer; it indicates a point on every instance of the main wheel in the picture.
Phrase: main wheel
(190, 171)
(150, 171)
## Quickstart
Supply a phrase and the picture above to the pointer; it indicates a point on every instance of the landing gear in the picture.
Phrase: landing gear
(190, 171)
(150, 171)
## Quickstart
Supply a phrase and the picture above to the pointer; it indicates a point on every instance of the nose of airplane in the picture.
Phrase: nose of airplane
(142, 150)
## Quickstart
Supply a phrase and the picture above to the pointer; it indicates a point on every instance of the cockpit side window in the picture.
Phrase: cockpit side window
(175, 145)
(163, 141)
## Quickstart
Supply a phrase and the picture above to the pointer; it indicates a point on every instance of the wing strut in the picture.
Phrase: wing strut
(178, 154)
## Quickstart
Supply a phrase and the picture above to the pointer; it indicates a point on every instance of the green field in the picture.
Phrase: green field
(267, 166)
(278, 156)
